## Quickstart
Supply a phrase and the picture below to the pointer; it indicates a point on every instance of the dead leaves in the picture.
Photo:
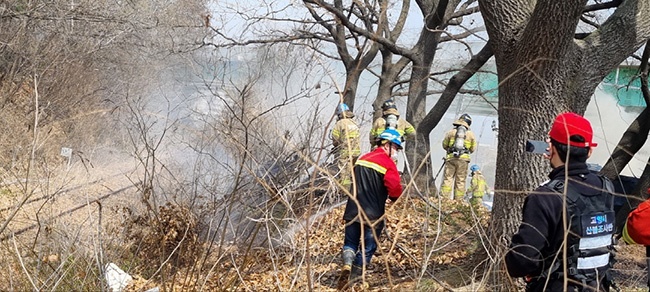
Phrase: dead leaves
(313, 257)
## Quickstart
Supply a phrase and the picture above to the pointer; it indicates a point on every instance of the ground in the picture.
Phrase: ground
(432, 245)
(418, 253)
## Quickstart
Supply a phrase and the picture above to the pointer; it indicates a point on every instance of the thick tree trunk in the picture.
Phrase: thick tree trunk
(389, 73)
(353, 70)
(418, 85)
(351, 85)
(518, 172)
(420, 151)
(543, 71)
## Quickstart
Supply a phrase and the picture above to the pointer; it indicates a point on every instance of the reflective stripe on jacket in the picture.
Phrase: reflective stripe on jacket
(470, 143)
(404, 128)
(376, 179)
(346, 132)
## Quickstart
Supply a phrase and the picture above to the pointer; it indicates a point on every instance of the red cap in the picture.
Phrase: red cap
(569, 124)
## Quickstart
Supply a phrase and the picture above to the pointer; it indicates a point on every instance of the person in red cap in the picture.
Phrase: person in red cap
(573, 212)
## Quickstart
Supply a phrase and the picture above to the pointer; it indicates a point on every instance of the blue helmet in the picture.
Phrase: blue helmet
(342, 108)
(392, 136)
(474, 168)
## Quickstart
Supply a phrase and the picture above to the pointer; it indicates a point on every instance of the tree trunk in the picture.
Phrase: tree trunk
(419, 150)
(518, 172)
(389, 74)
(416, 106)
(631, 142)
(351, 85)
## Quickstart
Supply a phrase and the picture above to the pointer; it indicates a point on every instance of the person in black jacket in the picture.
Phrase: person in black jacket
(376, 181)
(536, 250)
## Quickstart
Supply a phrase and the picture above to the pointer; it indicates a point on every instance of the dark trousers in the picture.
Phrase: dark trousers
(353, 231)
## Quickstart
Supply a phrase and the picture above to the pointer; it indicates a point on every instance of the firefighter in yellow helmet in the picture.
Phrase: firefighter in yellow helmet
(346, 141)
(459, 142)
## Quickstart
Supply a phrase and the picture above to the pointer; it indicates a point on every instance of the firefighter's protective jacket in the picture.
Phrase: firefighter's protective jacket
(470, 142)
(346, 136)
(404, 128)
(376, 180)
(478, 186)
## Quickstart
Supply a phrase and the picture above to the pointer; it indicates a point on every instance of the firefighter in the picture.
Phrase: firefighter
(477, 188)
(391, 119)
(346, 141)
(459, 143)
(377, 181)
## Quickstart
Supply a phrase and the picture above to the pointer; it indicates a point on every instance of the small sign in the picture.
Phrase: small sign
(67, 152)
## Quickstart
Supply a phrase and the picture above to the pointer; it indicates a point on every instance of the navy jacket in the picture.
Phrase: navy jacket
(541, 232)
(376, 179)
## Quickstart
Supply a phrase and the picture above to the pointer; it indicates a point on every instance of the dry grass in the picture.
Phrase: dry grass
(421, 250)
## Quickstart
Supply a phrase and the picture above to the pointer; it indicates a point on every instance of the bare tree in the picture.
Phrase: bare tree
(65, 68)
(366, 28)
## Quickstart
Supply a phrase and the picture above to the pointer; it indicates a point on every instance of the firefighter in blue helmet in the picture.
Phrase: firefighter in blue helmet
(573, 212)
(347, 145)
(376, 181)
(478, 187)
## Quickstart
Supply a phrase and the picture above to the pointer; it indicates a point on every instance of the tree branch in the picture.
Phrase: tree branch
(633, 139)
(601, 6)
(388, 44)
(466, 33)
(643, 69)
(465, 12)
(453, 87)
(619, 36)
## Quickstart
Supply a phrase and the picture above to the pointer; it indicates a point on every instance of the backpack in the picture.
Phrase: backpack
(459, 141)
(590, 244)
(391, 122)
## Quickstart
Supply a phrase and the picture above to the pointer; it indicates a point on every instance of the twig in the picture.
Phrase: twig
(31, 161)
(412, 182)
(405, 252)
(22, 264)
(162, 265)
